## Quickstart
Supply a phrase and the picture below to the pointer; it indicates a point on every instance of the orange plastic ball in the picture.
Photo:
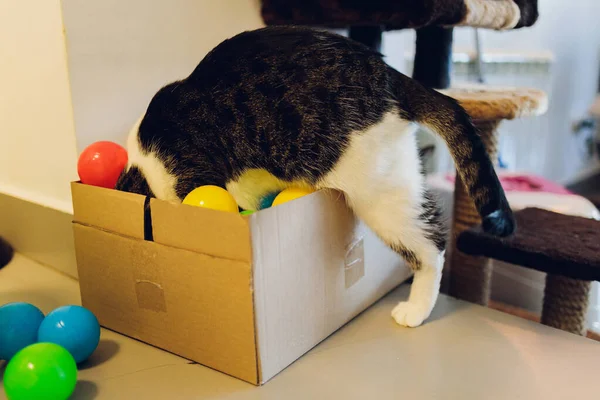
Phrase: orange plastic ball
(101, 164)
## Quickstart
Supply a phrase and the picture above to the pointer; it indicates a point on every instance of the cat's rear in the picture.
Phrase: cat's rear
(314, 108)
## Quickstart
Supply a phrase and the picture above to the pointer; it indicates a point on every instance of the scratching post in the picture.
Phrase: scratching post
(470, 276)
(565, 303)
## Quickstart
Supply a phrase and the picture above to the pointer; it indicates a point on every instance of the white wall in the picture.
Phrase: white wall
(37, 139)
(122, 52)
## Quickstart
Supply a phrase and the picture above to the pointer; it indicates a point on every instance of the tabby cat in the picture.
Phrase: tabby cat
(287, 106)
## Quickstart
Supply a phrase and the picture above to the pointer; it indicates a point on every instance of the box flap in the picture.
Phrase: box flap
(196, 306)
(216, 233)
(108, 209)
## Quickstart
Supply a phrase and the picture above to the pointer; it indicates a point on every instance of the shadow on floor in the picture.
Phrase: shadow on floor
(85, 390)
(105, 351)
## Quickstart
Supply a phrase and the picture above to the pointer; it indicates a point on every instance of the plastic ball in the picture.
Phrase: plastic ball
(213, 197)
(19, 324)
(73, 327)
(101, 164)
(40, 371)
(267, 201)
(291, 194)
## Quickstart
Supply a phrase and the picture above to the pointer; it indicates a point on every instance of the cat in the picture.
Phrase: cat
(288, 106)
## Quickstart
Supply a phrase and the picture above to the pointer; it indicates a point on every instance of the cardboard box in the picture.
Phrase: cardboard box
(244, 295)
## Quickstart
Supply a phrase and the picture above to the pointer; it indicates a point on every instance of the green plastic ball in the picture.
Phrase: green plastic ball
(40, 371)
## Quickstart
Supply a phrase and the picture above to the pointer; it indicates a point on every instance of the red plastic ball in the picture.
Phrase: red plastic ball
(101, 164)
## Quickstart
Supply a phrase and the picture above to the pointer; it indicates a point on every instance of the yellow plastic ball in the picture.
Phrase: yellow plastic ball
(290, 194)
(212, 197)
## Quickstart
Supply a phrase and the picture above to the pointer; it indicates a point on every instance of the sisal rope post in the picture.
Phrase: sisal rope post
(470, 277)
(565, 303)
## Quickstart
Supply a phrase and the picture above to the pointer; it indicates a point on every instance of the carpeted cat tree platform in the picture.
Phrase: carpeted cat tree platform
(567, 248)
(401, 14)
(469, 274)
(433, 20)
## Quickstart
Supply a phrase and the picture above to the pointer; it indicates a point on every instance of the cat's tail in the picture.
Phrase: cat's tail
(445, 117)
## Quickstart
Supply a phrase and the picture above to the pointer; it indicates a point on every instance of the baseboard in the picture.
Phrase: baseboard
(41, 233)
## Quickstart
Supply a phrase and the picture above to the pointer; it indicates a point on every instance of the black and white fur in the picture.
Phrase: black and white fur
(285, 106)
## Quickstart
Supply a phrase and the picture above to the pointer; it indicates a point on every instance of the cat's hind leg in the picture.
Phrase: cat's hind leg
(427, 264)
(419, 239)
(380, 175)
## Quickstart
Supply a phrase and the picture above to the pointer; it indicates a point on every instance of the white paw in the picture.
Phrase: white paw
(410, 314)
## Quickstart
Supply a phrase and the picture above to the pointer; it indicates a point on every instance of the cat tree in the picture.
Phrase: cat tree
(469, 275)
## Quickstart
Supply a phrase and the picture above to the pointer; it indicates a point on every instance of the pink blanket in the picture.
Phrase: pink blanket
(527, 183)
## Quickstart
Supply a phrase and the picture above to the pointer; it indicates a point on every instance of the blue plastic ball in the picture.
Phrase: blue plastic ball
(19, 324)
(267, 200)
(73, 327)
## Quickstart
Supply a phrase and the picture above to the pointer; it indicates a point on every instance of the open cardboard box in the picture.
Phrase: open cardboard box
(244, 295)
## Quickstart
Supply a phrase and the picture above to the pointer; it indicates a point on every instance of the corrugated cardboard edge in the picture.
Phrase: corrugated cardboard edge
(259, 381)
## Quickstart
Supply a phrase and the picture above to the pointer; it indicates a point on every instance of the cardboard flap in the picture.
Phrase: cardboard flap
(108, 209)
(215, 233)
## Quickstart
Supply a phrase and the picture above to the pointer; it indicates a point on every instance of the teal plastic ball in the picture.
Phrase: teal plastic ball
(267, 200)
(73, 327)
(19, 324)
